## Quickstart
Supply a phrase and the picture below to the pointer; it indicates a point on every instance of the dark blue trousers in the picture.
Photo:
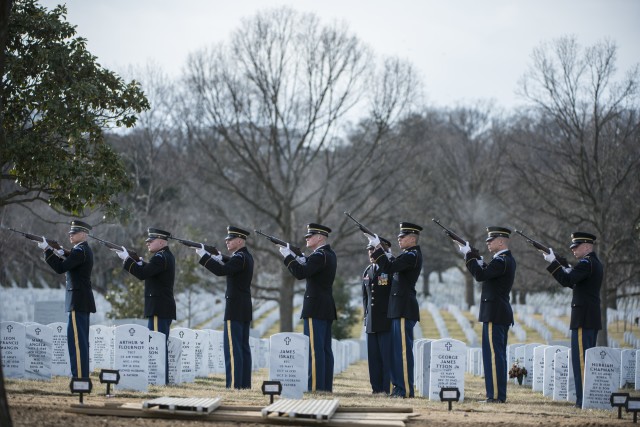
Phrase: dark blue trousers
(159, 324)
(320, 354)
(494, 359)
(379, 354)
(402, 357)
(581, 341)
(78, 343)
(237, 354)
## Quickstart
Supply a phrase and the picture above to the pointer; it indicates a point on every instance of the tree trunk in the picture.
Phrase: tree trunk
(286, 301)
(522, 297)
(426, 272)
(468, 290)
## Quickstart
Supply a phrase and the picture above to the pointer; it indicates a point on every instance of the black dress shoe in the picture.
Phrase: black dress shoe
(492, 401)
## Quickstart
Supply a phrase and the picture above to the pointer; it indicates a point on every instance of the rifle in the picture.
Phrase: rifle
(296, 250)
(190, 243)
(539, 246)
(362, 228)
(453, 236)
(132, 254)
(53, 243)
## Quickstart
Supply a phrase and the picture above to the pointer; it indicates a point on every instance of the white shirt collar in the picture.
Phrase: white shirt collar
(498, 253)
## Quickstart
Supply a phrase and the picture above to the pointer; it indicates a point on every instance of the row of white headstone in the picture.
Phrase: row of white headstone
(550, 372)
(35, 351)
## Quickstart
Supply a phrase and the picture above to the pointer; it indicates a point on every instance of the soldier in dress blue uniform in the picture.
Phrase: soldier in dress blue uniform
(496, 314)
(318, 308)
(79, 300)
(375, 302)
(159, 277)
(403, 304)
(585, 278)
(238, 312)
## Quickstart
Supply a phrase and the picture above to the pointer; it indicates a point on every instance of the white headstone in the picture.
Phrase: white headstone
(627, 368)
(511, 355)
(157, 355)
(549, 368)
(528, 363)
(448, 359)
(419, 371)
(560, 375)
(254, 346)
(519, 353)
(637, 385)
(60, 364)
(425, 365)
(538, 368)
(39, 345)
(100, 347)
(188, 359)
(571, 384)
(132, 357)
(12, 345)
(338, 361)
(601, 377)
(175, 360)
(217, 353)
(263, 353)
(289, 363)
(202, 340)
(478, 367)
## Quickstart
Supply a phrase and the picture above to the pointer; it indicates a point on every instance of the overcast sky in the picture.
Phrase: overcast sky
(465, 50)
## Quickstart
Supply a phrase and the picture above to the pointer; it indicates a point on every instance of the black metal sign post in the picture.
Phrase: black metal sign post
(271, 388)
(633, 405)
(108, 377)
(80, 385)
(450, 395)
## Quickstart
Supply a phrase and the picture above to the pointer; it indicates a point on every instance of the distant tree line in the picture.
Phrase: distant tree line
(293, 120)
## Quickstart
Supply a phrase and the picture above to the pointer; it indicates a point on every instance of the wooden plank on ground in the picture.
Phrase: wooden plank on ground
(241, 414)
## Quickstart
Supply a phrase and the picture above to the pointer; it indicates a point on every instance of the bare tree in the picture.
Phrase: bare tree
(266, 115)
(456, 159)
(577, 152)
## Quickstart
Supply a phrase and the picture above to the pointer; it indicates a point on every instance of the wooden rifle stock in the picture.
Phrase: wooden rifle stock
(53, 243)
(296, 250)
(539, 246)
(132, 254)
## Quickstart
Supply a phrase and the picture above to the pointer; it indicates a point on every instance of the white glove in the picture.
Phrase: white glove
(123, 254)
(389, 255)
(464, 249)
(285, 251)
(217, 258)
(44, 245)
(480, 261)
(201, 251)
(59, 252)
(567, 269)
(373, 240)
(550, 257)
(139, 262)
(301, 260)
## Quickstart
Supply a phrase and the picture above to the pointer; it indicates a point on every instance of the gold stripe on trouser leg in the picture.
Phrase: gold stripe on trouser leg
(76, 342)
(581, 349)
(313, 356)
(233, 363)
(405, 368)
(494, 375)
(155, 324)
